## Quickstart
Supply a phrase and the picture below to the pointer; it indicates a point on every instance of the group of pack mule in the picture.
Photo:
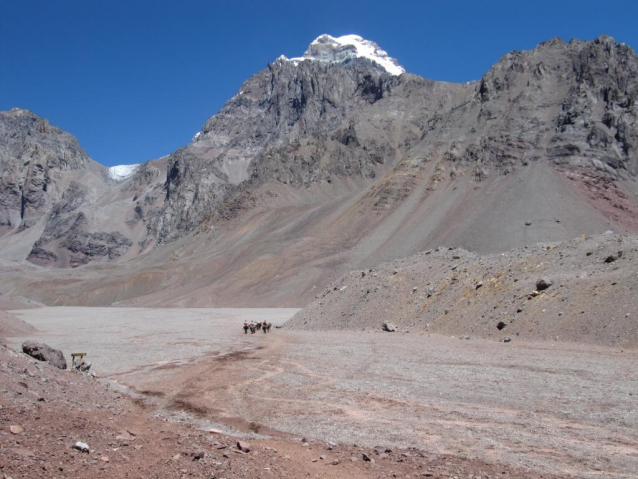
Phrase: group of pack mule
(252, 327)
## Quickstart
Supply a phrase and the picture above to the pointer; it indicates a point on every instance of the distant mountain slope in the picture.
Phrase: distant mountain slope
(53, 193)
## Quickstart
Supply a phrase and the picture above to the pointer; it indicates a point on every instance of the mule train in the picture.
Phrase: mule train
(253, 327)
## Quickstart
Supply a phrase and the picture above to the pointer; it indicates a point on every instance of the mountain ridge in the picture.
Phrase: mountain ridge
(323, 167)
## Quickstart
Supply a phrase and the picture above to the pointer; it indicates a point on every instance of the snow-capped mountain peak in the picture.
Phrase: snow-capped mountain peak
(327, 48)
(121, 172)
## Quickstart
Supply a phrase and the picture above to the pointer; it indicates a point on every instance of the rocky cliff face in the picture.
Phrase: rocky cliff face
(34, 155)
(299, 122)
(49, 184)
(572, 104)
(332, 114)
(283, 125)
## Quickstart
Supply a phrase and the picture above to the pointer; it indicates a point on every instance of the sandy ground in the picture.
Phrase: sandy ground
(544, 407)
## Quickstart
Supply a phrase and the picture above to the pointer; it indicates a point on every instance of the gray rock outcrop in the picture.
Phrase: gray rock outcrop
(33, 156)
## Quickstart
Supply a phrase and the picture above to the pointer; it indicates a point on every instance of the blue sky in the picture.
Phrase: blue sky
(136, 79)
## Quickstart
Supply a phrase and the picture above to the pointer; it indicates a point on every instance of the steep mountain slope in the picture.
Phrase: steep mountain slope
(337, 160)
(298, 123)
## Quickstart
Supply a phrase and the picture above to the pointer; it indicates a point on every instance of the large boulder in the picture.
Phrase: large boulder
(44, 352)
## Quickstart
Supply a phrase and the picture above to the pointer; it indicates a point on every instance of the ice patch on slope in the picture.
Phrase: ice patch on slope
(121, 172)
(327, 48)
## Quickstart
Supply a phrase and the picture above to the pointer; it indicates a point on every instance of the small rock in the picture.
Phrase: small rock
(243, 446)
(506, 340)
(478, 285)
(322, 457)
(84, 366)
(200, 455)
(15, 429)
(543, 283)
(528, 223)
(335, 463)
(330, 445)
(501, 325)
(367, 458)
(389, 327)
(611, 258)
(104, 459)
(82, 447)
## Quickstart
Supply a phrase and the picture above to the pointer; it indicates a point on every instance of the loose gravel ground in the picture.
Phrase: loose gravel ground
(543, 407)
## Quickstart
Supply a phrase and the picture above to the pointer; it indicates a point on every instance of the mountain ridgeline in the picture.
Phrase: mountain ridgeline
(333, 161)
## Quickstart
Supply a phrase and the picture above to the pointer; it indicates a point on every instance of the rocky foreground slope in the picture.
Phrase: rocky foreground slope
(584, 290)
(331, 162)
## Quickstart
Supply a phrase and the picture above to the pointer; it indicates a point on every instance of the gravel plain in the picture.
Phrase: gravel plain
(119, 340)
(550, 407)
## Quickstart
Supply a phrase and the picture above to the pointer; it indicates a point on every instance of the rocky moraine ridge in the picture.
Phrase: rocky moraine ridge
(345, 111)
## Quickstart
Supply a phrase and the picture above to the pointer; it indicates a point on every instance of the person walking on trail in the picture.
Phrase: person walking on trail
(245, 327)
(264, 326)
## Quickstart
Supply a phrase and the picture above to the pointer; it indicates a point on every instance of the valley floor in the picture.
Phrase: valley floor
(441, 405)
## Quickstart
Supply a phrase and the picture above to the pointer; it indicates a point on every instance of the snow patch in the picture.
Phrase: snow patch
(327, 48)
(121, 172)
